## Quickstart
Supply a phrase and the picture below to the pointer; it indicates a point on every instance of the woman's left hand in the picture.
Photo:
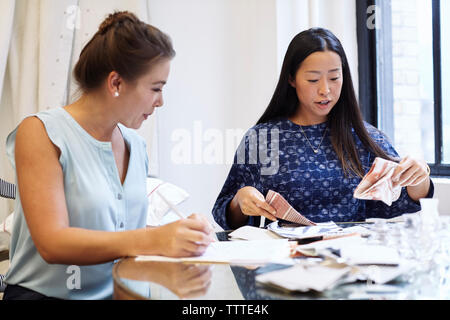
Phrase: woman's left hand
(410, 172)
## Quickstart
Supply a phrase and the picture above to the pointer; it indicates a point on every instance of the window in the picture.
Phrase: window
(404, 67)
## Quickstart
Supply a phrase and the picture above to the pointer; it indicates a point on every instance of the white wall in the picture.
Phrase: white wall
(222, 78)
(442, 192)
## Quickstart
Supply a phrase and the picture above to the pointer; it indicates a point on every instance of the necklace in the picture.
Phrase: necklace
(316, 150)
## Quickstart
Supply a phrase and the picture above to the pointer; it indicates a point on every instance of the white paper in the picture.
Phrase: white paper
(253, 233)
(385, 274)
(236, 252)
(303, 278)
(321, 229)
(315, 247)
(394, 219)
(365, 254)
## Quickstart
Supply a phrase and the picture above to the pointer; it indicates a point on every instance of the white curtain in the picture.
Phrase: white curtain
(40, 42)
(339, 16)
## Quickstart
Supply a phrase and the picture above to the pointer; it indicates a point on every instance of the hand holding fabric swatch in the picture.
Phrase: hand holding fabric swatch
(377, 184)
(284, 210)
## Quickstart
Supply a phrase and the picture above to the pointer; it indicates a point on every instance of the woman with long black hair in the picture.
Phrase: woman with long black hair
(313, 131)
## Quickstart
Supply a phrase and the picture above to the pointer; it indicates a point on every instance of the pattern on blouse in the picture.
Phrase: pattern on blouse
(313, 183)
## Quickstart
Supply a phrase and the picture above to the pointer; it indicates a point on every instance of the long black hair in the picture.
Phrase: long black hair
(344, 116)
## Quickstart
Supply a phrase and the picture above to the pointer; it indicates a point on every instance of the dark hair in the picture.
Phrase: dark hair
(344, 116)
(123, 44)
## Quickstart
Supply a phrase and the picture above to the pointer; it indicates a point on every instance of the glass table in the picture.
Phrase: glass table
(175, 280)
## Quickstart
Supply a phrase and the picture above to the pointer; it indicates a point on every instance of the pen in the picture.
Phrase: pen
(171, 206)
(174, 208)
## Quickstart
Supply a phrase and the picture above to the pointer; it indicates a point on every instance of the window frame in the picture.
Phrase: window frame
(372, 94)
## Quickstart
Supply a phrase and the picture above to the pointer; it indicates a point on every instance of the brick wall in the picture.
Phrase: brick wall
(413, 111)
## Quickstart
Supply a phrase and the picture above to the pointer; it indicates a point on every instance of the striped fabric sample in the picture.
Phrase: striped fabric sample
(285, 211)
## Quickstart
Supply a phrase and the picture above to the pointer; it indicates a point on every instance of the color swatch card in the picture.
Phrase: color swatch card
(285, 211)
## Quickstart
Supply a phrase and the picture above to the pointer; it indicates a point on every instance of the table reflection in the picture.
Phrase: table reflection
(429, 279)
(161, 280)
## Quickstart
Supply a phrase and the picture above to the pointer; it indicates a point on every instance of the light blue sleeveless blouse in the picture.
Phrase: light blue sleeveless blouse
(95, 199)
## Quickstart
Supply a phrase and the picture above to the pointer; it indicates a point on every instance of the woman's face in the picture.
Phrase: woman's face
(318, 83)
(141, 97)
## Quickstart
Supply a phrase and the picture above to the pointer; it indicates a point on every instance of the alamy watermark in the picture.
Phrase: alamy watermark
(374, 18)
(73, 281)
(215, 146)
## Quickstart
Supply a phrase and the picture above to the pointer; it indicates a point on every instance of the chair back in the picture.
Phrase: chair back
(7, 189)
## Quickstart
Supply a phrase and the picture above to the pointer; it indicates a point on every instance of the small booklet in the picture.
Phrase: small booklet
(379, 180)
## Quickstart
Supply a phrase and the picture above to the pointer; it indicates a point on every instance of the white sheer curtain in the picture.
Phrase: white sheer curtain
(339, 16)
(40, 42)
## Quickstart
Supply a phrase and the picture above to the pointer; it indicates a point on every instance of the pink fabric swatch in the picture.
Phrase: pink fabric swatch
(284, 210)
(379, 181)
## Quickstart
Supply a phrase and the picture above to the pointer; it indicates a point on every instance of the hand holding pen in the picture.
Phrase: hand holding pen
(188, 236)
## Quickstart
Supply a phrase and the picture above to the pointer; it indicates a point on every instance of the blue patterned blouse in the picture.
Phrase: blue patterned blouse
(277, 155)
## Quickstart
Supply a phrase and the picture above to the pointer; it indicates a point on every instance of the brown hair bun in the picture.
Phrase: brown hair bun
(116, 18)
(124, 44)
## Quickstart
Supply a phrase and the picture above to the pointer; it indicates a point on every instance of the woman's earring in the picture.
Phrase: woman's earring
(116, 94)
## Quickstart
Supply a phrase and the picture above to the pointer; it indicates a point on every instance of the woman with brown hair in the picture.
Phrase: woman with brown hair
(81, 173)
(312, 146)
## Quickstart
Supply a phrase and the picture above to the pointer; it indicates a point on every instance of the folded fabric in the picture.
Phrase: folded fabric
(377, 183)
(158, 211)
(285, 211)
(6, 225)
(5, 232)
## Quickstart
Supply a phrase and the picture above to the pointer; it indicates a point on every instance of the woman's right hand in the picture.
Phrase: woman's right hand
(185, 237)
(251, 202)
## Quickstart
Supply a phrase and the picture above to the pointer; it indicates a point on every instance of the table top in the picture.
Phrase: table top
(177, 280)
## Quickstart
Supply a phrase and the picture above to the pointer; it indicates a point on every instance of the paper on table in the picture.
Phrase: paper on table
(354, 251)
(394, 219)
(385, 274)
(253, 233)
(323, 229)
(314, 248)
(236, 252)
(368, 254)
(303, 278)
(379, 178)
